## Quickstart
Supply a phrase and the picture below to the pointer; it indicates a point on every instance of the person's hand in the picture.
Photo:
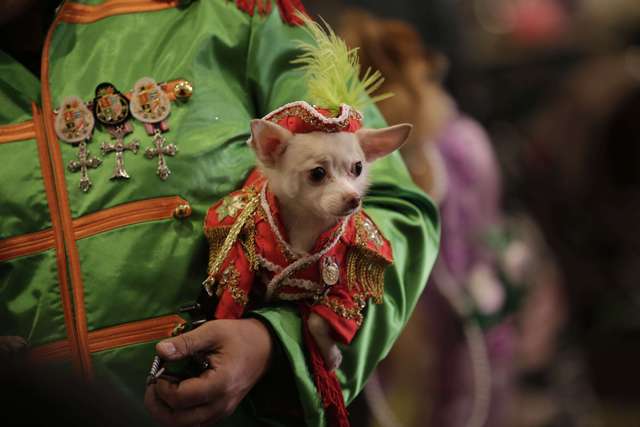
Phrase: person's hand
(11, 346)
(238, 351)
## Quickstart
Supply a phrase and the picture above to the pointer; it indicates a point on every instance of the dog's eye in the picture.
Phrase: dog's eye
(317, 174)
(356, 168)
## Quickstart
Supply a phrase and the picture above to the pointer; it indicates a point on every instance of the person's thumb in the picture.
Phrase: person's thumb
(185, 345)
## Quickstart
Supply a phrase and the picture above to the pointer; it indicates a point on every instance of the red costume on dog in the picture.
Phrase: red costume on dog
(250, 259)
(261, 264)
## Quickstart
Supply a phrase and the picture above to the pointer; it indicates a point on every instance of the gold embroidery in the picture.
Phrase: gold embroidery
(366, 231)
(230, 206)
(361, 235)
(360, 300)
(229, 281)
(338, 307)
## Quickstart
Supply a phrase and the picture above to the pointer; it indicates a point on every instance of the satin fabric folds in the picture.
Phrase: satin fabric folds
(134, 269)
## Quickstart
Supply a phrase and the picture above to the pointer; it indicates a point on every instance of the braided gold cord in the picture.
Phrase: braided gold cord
(216, 237)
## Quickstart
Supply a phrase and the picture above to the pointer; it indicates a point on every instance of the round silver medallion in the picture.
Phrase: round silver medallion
(330, 271)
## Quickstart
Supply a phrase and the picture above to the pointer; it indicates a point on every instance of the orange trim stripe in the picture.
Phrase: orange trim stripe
(75, 13)
(92, 224)
(26, 244)
(65, 212)
(54, 211)
(133, 333)
(18, 132)
(112, 337)
(127, 214)
(55, 351)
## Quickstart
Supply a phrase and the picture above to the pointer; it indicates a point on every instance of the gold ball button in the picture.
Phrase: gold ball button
(182, 211)
(183, 90)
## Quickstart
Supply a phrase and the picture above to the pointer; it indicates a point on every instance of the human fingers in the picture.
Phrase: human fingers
(12, 344)
(210, 386)
(203, 415)
(205, 337)
(158, 410)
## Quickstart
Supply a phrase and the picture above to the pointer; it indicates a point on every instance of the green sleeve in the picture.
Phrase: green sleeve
(404, 214)
(410, 221)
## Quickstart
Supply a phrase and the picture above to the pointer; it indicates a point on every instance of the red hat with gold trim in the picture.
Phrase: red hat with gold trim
(302, 117)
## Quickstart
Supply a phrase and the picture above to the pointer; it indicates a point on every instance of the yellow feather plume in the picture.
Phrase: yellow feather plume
(333, 70)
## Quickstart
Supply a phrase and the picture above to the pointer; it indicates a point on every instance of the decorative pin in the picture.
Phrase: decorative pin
(111, 109)
(74, 124)
(119, 147)
(152, 106)
(330, 271)
(85, 160)
(160, 150)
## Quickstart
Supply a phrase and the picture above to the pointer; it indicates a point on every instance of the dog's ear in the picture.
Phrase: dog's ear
(268, 140)
(378, 143)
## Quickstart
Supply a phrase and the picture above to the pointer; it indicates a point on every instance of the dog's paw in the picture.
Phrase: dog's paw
(333, 357)
(331, 354)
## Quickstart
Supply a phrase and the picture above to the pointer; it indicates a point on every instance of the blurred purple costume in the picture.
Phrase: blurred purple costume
(470, 207)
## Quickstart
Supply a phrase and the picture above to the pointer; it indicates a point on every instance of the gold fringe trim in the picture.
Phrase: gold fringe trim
(365, 272)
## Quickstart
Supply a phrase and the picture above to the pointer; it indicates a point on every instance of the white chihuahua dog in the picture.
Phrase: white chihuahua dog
(318, 179)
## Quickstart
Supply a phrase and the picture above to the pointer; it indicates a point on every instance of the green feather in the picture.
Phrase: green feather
(333, 70)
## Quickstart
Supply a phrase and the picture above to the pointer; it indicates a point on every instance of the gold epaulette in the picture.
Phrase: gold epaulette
(222, 238)
(365, 272)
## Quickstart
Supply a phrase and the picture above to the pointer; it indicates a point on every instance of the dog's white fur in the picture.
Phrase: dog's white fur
(308, 208)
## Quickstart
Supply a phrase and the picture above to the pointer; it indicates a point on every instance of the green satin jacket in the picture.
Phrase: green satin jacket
(93, 280)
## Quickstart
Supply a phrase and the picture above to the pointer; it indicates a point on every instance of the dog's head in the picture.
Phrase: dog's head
(324, 173)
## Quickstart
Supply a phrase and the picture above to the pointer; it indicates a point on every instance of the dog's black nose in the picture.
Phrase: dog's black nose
(352, 202)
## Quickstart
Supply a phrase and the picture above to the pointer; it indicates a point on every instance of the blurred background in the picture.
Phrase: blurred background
(527, 135)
